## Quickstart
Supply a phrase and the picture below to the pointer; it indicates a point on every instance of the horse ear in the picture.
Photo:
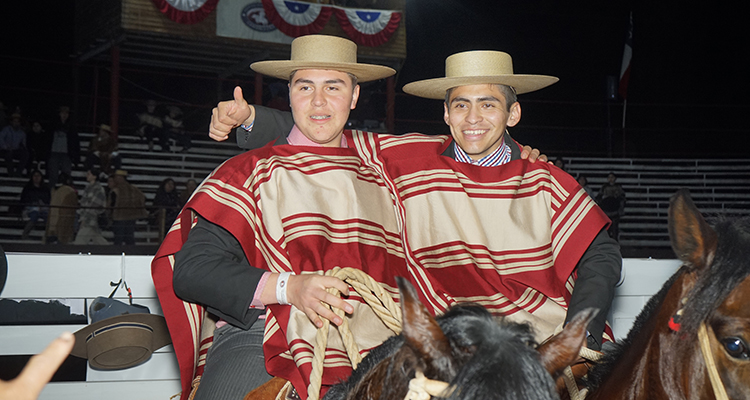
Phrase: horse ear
(693, 240)
(562, 349)
(421, 332)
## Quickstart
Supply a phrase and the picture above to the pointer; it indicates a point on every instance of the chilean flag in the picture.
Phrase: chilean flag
(627, 54)
(295, 18)
(368, 27)
(186, 11)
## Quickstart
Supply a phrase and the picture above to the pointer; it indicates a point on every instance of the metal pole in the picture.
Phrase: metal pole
(624, 109)
(390, 105)
(95, 99)
(258, 89)
(114, 100)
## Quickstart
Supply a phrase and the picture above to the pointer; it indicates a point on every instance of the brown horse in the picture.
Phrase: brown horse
(691, 340)
(469, 351)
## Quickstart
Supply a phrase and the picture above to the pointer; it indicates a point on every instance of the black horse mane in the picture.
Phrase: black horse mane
(497, 360)
(728, 268)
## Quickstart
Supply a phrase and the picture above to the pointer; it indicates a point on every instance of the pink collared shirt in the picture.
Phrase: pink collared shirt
(295, 138)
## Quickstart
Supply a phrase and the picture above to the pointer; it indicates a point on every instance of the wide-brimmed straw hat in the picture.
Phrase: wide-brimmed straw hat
(120, 335)
(323, 52)
(478, 67)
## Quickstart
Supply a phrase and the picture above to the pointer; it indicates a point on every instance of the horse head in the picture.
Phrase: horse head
(477, 356)
(664, 356)
(718, 264)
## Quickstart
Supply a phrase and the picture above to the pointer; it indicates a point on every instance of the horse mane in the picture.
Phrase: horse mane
(505, 364)
(604, 366)
(728, 269)
(497, 360)
(712, 286)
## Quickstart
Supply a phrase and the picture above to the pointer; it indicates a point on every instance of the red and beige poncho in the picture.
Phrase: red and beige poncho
(507, 237)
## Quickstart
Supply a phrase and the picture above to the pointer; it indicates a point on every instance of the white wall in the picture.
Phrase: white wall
(63, 276)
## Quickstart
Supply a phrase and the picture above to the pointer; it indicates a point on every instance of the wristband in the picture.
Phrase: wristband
(247, 128)
(281, 285)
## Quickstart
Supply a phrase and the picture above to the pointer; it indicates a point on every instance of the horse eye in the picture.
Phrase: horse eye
(736, 348)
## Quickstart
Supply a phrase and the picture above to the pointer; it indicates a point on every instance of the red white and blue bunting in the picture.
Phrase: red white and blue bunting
(364, 26)
(296, 18)
(368, 27)
(186, 11)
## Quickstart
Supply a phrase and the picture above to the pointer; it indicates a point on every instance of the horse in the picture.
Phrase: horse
(691, 340)
(478, 356)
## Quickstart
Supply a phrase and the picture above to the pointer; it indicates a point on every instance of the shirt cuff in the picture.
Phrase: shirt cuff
(256, 303)
(247, 128)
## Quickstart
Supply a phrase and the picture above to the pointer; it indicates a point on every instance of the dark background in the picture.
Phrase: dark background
(687, 95)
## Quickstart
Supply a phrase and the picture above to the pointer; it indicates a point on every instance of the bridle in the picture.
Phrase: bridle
(720, 391)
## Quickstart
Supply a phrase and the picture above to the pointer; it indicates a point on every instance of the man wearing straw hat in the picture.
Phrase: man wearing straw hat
(479, 93)
(480, 101)
(262, 227)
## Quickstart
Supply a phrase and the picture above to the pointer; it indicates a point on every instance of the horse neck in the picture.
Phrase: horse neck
(641, 371)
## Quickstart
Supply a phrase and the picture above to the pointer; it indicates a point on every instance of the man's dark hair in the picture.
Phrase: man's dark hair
(507, 91)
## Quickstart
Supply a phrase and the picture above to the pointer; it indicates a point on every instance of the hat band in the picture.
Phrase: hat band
(118, 326)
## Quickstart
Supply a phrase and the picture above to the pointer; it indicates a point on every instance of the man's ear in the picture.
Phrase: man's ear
(446, 117)
(355, 97)
(514, 114)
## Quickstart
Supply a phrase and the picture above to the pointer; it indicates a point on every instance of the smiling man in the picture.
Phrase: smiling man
(262, 228)
(544, 235)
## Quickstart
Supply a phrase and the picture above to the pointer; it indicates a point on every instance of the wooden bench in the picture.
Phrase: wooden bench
(77, 278)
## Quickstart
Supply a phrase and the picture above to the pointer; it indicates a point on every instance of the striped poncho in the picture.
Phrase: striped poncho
(507, 237)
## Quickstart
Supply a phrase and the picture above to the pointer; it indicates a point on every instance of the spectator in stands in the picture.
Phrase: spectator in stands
(151, 127)
(175, 129)
(129, 205)
(93, 201)
(35, 199)
(611, 199)
(38, 143)
(62, 213)
(560, 163)
(65, 149)
(106, 220)
(585, 185)
(13, 146)
(190, 187)
(103, 151)
(167, 203)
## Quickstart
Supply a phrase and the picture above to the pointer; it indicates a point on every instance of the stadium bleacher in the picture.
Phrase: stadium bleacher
(718, 187)
(146, 170)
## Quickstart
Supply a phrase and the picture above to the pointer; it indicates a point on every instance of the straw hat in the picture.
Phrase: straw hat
(323, 52)
(120, 335)
(105, 127)
(478, 67)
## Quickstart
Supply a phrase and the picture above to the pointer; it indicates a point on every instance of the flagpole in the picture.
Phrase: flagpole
(624, 140)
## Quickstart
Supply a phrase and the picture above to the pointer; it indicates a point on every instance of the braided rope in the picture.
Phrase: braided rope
(376, 297)
(569, 378)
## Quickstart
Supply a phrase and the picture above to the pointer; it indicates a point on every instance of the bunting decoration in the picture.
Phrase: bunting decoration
(186, 11)
(368, 27)
(296, 18)
(246, 19)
